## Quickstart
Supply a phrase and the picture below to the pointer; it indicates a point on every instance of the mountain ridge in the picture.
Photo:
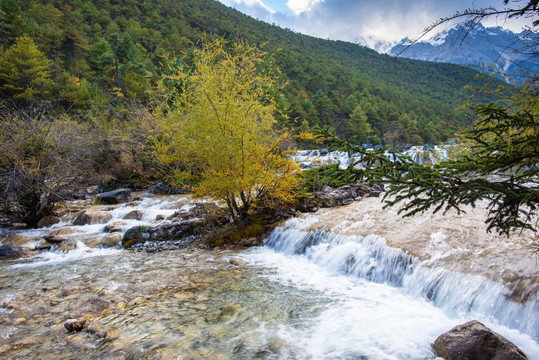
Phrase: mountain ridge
(482, 48)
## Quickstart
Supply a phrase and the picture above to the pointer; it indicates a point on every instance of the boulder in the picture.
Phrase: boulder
(11, 252)
(43, 246)
(86, 217)
(114, 227)
(110, 240)
(68, 245)
(117, 196)
(134, 215)
(135, 235)
(474, 341)
(54, 239)
(47, 221)
(62, 231)
(17, 240)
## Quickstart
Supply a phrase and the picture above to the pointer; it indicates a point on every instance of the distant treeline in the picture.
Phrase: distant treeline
(104, 56)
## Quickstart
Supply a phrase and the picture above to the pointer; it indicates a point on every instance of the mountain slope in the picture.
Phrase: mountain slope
(481, 47)
(113, 47)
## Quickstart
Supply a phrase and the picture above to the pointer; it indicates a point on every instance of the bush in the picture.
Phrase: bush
(40, 160)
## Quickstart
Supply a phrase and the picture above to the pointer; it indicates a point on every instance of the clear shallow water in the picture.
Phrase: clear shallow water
(308, 294)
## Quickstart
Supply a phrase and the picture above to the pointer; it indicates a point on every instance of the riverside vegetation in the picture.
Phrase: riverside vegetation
(90, 88)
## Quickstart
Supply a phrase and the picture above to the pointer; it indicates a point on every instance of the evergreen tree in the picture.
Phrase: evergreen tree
(25, 71)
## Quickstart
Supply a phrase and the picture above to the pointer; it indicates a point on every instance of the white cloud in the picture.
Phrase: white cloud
(300, 6)
(365, 21)
(251, 7)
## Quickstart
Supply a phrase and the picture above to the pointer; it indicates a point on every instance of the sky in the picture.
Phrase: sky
(367, 22)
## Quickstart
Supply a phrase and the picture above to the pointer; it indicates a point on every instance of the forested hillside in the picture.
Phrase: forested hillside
(110, 54)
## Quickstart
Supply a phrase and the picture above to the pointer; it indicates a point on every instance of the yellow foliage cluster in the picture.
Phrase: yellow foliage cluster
(221, 128)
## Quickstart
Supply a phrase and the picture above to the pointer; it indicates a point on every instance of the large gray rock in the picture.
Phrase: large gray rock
(474, 341)
(11, 252)
(86, 217)
(48, 221)
(114, 227)
(134, 215)
(17, 240)
(107, 241)
(117, 196)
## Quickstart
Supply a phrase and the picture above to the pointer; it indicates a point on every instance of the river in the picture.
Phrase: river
(354, 282)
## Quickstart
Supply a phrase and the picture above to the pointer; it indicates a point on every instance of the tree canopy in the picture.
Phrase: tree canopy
(220, 131)
(25, 71)
(110, 54)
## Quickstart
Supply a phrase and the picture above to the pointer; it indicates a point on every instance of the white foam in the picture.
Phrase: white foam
(56, 257)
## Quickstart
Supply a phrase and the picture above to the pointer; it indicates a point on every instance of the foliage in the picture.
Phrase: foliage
(39, 160)
(45, 159)
(316, 178)
(24, 71)
(221, 127)
(502, 169)
(112, 53)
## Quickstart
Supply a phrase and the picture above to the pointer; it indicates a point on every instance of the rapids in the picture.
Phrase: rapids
(354, 282)
(420, 154)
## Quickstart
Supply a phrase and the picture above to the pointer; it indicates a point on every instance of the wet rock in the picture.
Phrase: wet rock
(43, 246)
(75, 325)
(236, 262)
(47, 221)
(68, 245)
(168, 231)
(114, 227)
(92, 306)
(54, 239)
(107, 241)
(134, 236)
(345, 195)
(112, 334)
(252, 241)
(62, 231)
(134, 215)
(86, 217)
(17, 240)
(117, 196)
(474, 340)
(12, 252)
(69, 289)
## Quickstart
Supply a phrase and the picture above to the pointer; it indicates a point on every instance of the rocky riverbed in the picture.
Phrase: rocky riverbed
(190, 304)
(355, 281)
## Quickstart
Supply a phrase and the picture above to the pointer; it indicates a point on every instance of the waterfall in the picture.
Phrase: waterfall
(420, 154)
(456, 293)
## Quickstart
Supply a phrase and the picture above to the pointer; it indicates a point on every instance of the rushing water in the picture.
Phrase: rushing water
(355, 282)
(419, 154)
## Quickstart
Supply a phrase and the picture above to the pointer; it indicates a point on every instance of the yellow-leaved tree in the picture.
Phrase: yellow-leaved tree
(220, 130)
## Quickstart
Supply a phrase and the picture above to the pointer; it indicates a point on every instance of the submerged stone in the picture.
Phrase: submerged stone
(75, 325)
